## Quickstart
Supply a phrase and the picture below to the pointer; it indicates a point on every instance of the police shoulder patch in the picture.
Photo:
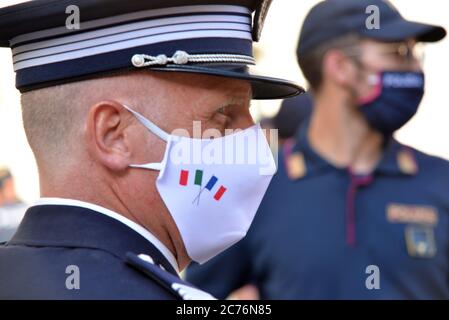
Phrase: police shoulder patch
(407, 162)
(296, 166)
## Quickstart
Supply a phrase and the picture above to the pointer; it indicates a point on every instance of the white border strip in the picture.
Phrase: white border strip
(135, 27)
(148, 32)
(131, 16)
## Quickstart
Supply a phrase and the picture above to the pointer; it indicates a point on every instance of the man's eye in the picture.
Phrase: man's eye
(222, 110)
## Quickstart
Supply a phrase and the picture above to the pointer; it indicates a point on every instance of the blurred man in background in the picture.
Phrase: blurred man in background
(12, 209)
(352, 213)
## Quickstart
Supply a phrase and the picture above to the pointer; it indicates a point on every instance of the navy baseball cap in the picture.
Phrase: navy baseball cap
(211, 37)
(293, 113)
(331, 19)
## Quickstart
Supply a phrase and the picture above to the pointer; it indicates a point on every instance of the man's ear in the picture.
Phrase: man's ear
(106, 135)
(338, 68)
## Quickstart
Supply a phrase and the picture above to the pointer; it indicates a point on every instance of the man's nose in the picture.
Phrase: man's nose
(415, 65)
(412, 64)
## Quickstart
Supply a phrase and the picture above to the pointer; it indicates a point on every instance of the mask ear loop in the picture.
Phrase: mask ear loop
(153, 129)
(149, 125)
(150, 166)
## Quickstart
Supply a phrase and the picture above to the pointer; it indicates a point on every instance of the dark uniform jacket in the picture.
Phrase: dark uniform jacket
(68, 252)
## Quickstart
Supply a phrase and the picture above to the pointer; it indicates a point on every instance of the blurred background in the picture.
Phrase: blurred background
(428, 131)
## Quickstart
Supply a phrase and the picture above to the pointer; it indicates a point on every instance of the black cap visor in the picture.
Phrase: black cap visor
(263, 87)
(401, 29)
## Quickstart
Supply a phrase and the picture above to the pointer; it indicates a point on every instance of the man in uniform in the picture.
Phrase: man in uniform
(119, 216)
(352, 213)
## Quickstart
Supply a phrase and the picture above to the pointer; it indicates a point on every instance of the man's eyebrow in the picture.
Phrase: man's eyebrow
(234, 103)
(237, 97)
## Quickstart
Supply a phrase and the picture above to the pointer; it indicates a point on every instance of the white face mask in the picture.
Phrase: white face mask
(213, 200)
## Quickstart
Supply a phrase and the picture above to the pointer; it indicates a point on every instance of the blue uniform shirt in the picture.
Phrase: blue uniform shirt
(323, 233)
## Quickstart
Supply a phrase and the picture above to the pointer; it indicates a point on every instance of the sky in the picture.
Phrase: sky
(428, 131)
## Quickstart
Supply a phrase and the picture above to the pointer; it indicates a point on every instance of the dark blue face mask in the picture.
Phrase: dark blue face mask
(395, 101)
